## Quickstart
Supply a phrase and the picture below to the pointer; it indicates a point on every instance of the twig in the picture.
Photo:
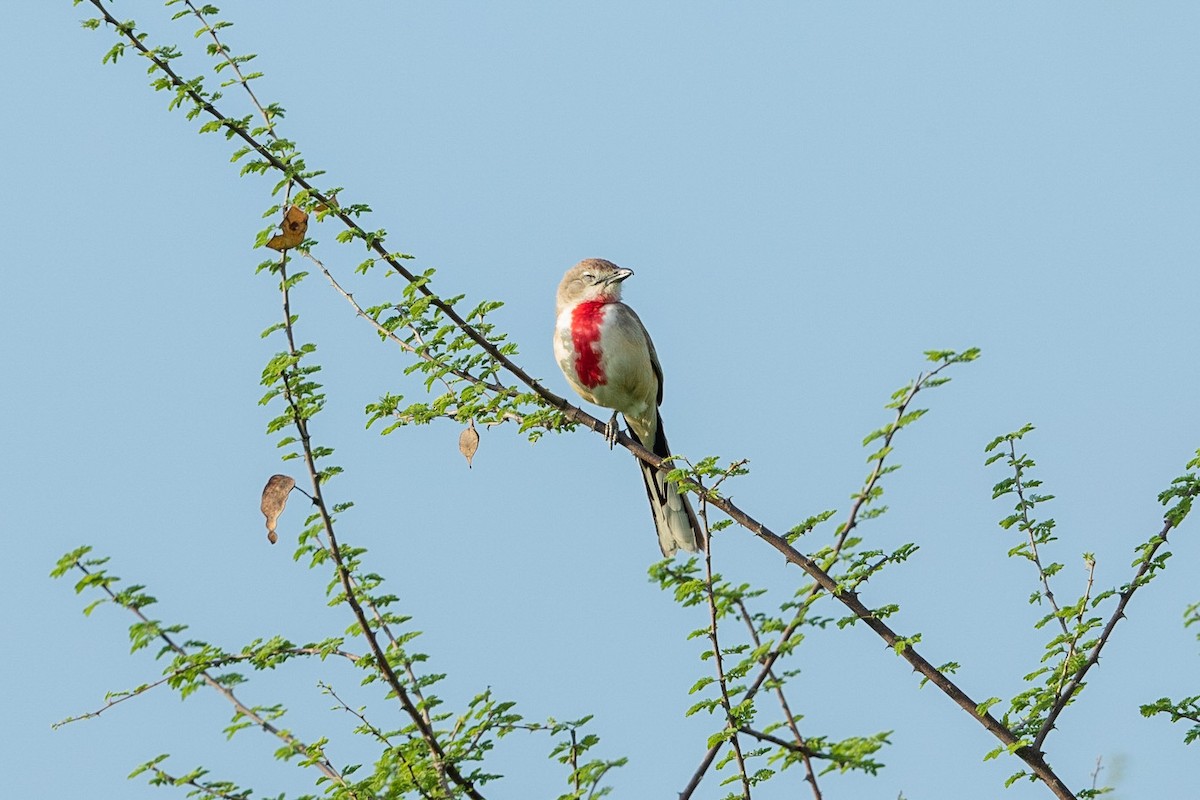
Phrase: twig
(380, 735)
(121, 697)
(1028, 526)
(237, 70)
(207, 791)
(810, 774)
(1093, 658)
(730, 722)
(877, 471)
(818, 587)
(803, 749)
(421, 721)
(404, 345)
(1065, 672)
(393, 643)
(320, 762)
(596, 780)
(115, 698)
(575, 760)
(374, 731)
(1096, 771)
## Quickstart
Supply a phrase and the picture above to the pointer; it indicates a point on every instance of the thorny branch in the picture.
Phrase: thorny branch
(117, 698)
(445, 769)
(574, 756)
(220, 48)
(731, 722)
(404, 345)
(860, 499)
(795, 747)
(200, 788)
(380, 735)
(1096, 772)
(1064, 673)
(1027, 526)
(319, 761)
(799, 745)
(1123, 597)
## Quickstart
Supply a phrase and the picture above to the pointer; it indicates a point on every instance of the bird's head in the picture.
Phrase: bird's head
(591, 279)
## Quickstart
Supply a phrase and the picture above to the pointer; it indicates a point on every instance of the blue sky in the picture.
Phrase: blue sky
(810, 196)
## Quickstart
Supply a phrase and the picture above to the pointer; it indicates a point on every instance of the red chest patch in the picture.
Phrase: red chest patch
(585, 335)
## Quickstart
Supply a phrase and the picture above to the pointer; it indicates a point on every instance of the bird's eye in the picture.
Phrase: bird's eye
(589, 277)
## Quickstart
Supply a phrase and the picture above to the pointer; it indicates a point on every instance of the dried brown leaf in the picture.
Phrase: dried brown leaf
(321, 208)
(274, 500)
(468, 443)
(294, 226)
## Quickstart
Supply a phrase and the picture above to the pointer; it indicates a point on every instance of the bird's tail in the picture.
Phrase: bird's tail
(676, 522)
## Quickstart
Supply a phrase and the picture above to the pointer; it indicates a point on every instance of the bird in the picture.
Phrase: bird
(607, 356)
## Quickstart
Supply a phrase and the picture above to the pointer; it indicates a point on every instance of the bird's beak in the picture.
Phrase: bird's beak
(619, 275)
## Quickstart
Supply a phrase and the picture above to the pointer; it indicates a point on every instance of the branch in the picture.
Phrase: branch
(217, 790)
(867, 492)
(116, 698)
(404, 345)
(730, 722)
(1027, 525)
(378, 734)
(347, 580)
(319, 761)
(573, 754)
(237, 70)
(1080, 629)
(799, 745)
(802, 749)
(1093, 658)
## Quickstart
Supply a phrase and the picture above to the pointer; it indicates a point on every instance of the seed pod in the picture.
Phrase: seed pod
(274, 499)
(468, 443)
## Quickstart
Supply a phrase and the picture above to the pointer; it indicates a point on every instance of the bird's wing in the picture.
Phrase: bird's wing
(658, 373)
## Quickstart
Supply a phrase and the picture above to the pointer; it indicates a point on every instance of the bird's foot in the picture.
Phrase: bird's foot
(611, 430)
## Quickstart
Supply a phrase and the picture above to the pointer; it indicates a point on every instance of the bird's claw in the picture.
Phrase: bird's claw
(611, 430)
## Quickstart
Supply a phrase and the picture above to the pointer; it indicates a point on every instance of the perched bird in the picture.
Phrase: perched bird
(607, 356)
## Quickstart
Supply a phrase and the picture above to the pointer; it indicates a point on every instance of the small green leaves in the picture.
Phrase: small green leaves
(449, 361)
(1186, 709)
(1008, 437)
(949, 668)
(982, 710)
(70, 560)
(1074, 648)
(114, 53)
(808, 525)
(1183, 491)
(1016, 776)
(149, 765)
(952, 357)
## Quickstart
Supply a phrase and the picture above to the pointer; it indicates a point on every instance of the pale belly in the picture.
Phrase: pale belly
(628, 385)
